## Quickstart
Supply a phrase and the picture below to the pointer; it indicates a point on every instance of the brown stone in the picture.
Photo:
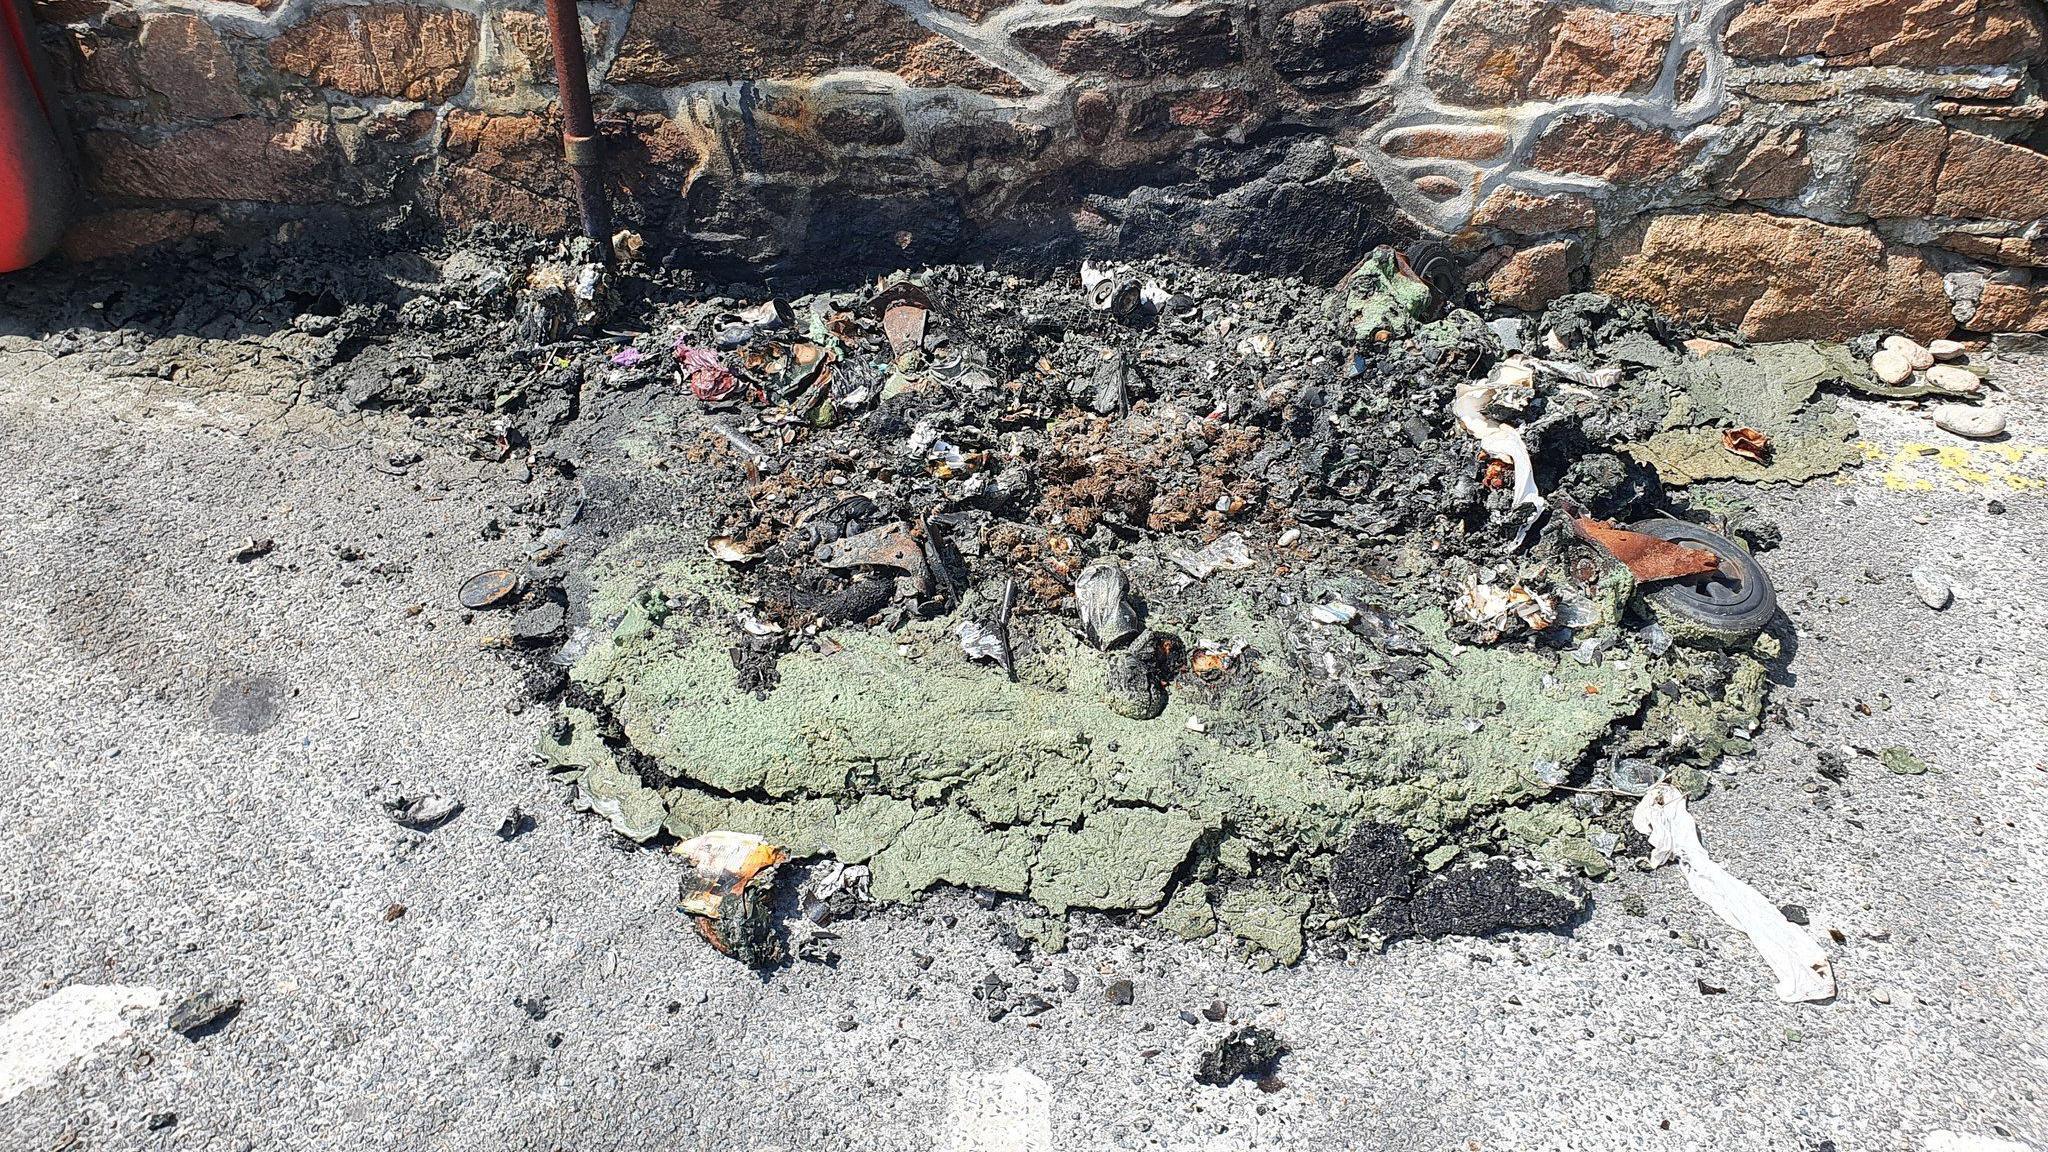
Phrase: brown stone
(1774, 277)
(675, 42)
(1899, 166)
(105, 64)
(2032, 110)
(1434, 143)
(1772, 166)
(651, 161)
(1924, 168)
(1212, 110)
(503, 168)
(526, 34)
(2012, 251)
(509, 169)
(526, 53)
(1991, 179)
(393, 50)
(1535, 213)
(871, 121)
(975, 10)
(1925, 33)
(1787, 91)
(1692, 77)
(1494, 52)
(2010, 307)
(50, 13)
(283, 162)
(1532, 277)
(1438, 187)
(182, 59)
(125, 230)
(940, 63)
(1338, 44)
(399, 126)
(1612, 148)
(1173, 46)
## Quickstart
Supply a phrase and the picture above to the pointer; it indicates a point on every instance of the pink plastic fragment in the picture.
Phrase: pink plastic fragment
(702, 371)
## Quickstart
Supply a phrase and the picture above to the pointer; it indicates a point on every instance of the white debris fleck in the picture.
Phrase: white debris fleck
(1227, 553)
(1498, 440)
(1497, 610)
(979, 641)
(1338, 612)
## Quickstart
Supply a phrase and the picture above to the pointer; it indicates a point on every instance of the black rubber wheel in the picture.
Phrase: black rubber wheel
(1438, 267)
(1730, 605)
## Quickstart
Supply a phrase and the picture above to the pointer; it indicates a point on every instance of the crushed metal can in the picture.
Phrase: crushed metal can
(729, 893)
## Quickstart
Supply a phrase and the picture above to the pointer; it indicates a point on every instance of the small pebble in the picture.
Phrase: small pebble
(515, 824)
(1119, 993)
(1920, 358)
(1964, 420)
(1931, 588)
(202, 1013)
(1891, 366)
(420, 813)
(1880, 996)
(1945, 350)
(1795, 913)
(1955, 381)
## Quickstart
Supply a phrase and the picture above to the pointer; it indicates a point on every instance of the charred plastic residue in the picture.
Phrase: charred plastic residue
(1191, 596)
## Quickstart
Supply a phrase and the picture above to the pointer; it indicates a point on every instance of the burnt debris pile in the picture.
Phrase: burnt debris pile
(1249, 605)
(1253, 605)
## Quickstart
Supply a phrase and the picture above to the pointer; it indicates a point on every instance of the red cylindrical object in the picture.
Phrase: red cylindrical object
(35, 185)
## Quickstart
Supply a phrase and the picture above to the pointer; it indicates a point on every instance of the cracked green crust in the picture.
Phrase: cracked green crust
(896, 752)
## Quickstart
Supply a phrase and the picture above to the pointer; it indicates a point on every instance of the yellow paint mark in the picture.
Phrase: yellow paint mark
(1995, 469)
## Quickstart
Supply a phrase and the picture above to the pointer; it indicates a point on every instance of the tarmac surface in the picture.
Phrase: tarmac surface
(196, 740)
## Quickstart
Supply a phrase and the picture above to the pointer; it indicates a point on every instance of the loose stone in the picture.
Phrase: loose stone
(1964, 420)
(1920, 358)
(1892, 366)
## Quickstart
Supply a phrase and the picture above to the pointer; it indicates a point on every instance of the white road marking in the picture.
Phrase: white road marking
(1008, 1111)
(1940, 1141)
(39, 1042)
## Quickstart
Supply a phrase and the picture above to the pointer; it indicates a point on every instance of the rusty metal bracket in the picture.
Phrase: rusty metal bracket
(583, 151)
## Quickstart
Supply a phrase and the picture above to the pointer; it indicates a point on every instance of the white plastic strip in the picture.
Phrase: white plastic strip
(1801, 967)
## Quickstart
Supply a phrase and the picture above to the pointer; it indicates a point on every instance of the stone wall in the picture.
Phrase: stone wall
(1797, 167)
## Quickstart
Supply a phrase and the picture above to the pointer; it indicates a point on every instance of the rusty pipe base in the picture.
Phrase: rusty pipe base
(580, 144)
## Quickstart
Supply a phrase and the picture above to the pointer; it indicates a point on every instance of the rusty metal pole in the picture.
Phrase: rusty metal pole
(580, 145)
